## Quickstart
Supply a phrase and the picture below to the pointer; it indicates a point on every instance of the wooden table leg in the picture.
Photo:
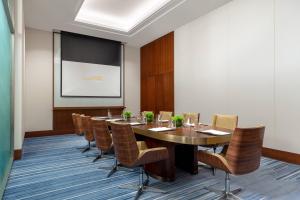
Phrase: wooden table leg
(186, 158)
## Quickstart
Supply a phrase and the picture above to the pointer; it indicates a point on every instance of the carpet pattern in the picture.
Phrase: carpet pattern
(53, 168)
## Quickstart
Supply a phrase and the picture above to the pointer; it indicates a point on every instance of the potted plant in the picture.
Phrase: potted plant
(178, 120)
(149, 116)
(127, 115)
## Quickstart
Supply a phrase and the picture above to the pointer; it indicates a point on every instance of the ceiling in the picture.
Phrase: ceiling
(122, 25)
(118, 15)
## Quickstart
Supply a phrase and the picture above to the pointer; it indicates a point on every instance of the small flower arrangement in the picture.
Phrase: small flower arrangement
(127, 115)
(178, 120)
(149, 116)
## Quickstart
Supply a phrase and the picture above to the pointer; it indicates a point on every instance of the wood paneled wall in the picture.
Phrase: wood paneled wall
(62, 116)
(157, 75)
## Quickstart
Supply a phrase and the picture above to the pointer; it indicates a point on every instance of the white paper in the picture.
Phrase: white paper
(215, 132)
(113, 120)
(163, 120)
(135, 123)
(161, 129)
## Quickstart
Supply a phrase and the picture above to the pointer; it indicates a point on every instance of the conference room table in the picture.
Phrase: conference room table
(182, 144)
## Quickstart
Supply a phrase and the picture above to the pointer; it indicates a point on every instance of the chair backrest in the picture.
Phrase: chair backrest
(87, 127)
(125, 146)
(102, 135)
(244, 150)
(165, 115)
(194, 117)
(225, 121)
(75, 125)
(78, 124)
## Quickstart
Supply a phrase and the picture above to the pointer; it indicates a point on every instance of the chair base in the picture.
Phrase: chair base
(116, 167)
(227, 193)
(142, 187)
(230, 195)
(86, 149)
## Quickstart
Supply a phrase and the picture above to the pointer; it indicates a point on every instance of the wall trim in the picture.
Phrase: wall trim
(31, 134)
(18, 154)
(285, 156)
(89, 108)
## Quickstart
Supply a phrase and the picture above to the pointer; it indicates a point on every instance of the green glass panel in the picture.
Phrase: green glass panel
(5, 98)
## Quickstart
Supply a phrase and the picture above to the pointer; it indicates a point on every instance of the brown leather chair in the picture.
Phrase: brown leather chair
(77, 124)
(229, 122)
(241, 157)
(88, 131)
(130, 153)
(102, 137)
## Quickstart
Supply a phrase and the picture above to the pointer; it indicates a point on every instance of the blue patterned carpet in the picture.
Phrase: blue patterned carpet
(52, 168)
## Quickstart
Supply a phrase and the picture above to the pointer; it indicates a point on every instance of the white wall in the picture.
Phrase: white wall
(18, 73)
(242, 59)
(132, 79)
(39, 83)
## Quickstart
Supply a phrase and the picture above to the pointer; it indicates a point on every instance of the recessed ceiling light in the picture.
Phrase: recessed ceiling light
(121, 15)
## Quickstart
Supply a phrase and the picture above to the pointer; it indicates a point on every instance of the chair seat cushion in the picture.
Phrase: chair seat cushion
(152, 155)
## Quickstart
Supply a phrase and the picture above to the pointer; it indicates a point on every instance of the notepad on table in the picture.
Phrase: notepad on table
(160, 129)
(102, 117)
(135, 123)
(163, 120)
(215, 132)
(114, 120)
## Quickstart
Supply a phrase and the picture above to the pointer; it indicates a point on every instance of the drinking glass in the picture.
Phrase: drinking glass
(158, 120)
(138, 118)
(171, 124)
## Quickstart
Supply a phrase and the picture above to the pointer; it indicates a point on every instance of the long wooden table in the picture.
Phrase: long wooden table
(182, 145)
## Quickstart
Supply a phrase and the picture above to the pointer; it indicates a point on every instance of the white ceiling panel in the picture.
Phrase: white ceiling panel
(135, 22)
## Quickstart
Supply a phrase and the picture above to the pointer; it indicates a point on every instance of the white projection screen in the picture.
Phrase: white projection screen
(90, 67)
(90, 80)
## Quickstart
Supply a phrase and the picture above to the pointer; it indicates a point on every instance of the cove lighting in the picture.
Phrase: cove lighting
(120, 15)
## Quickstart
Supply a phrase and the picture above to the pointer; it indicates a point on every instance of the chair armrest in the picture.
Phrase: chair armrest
(152, 155)
(215, 160)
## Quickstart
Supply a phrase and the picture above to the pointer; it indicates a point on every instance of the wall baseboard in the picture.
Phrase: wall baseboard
(281, 155)
(18, 154)
(47, 133)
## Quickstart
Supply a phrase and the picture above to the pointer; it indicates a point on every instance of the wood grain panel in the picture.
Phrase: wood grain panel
(43, 133)
(281, 155)
(62, 116)
(18, 154)
(157, 74)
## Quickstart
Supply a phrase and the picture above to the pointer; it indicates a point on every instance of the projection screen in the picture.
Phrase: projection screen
(86, 79)
(90, 67)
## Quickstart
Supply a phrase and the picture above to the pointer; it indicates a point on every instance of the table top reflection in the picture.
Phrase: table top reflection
(190, 135)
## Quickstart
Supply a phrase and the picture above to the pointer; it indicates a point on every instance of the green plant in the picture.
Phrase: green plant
(178, 119)
(127, 114)
(149, 116)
